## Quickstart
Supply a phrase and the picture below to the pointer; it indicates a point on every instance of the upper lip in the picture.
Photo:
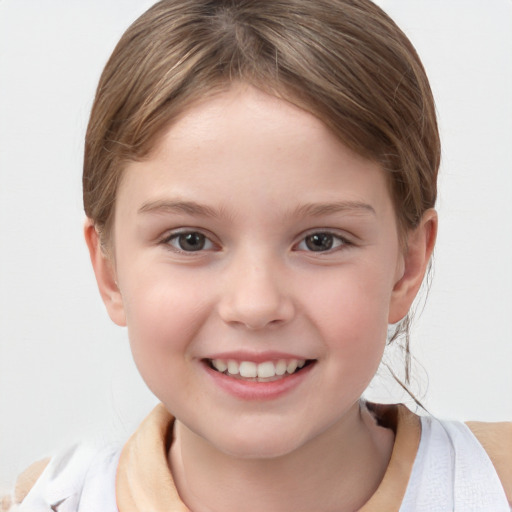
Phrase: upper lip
(256, 357)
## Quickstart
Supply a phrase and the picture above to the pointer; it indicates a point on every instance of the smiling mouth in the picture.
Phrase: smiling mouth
(266, 371)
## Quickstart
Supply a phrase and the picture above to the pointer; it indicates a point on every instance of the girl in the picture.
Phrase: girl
(259, 182)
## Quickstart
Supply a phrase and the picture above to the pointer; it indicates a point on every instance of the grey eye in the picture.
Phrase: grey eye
(322, 241)
(319, 242)
(189, 242)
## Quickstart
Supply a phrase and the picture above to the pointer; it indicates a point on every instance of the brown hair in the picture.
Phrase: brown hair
(344, 61)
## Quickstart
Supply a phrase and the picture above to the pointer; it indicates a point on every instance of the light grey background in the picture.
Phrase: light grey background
(65, 370)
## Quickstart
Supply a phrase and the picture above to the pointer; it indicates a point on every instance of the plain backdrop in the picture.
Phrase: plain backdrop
(66, 372)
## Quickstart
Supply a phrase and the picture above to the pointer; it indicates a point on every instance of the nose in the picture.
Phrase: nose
(256, 294)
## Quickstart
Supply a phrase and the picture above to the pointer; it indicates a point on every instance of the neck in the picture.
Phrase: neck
(338, 470)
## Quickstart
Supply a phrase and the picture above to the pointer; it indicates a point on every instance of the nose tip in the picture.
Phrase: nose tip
(256, 324)
(257, 313)
(256, 300)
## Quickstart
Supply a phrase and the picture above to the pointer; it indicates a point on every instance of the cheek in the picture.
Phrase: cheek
(352, 315)
(163, 316)
(354, 304)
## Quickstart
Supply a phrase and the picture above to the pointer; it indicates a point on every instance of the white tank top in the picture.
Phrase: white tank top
(451, 472)
(81, 479)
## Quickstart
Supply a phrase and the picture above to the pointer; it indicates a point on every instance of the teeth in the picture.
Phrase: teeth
(219, 365)
(248, 369)
(281, 367)
(265, 370)
(292, 366)
(233, 367)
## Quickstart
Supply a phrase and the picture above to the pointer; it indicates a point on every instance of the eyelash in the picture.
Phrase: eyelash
(335, 241)
(175, 236)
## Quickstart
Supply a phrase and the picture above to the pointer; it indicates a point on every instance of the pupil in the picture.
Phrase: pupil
(192, 241)
(319, 242)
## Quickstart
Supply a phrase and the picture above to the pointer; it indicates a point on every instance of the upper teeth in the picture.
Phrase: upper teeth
(263, 370)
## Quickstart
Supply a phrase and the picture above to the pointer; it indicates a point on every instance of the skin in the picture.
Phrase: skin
(257, 176)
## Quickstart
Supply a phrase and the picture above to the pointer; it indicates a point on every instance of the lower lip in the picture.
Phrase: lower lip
(251, 390)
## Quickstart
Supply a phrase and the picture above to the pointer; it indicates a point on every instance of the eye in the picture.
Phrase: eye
(321, 242)
(189, 241)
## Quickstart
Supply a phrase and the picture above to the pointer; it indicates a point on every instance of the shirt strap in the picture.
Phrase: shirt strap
(496, 439)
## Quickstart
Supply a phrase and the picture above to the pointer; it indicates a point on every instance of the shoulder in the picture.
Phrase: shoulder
(496, 439)
(28, 478)
(453, 470)
(82, 476)
(24, 483)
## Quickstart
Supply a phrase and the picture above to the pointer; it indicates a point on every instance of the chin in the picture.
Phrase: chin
(259, 445)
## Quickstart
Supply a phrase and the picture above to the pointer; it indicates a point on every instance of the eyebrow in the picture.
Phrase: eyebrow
(305, 210)
(187, 207)
(319, 209)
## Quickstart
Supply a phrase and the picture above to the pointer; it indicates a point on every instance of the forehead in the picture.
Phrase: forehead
(246, 143)
(241, 110)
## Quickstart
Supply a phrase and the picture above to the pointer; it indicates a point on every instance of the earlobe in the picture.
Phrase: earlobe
(104, 271)
(420, 245)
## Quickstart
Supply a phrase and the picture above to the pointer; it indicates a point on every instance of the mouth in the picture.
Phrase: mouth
(266, 371)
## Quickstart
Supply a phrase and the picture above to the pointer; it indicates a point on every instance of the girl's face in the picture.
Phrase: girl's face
(252, 242)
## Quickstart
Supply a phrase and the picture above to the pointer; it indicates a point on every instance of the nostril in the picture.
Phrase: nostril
(255, 301)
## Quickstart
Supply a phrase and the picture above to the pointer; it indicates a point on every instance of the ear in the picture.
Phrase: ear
(104, 270)
(420, 245)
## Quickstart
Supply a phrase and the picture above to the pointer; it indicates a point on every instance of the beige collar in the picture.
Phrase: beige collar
(144, 481)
